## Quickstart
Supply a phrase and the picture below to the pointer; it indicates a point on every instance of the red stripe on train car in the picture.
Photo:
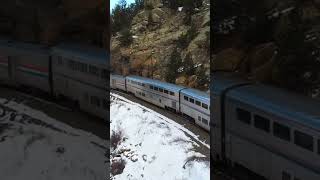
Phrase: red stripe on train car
(37, 68)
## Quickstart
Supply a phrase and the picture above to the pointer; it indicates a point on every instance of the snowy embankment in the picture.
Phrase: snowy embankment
(154, 147)
(35, 146)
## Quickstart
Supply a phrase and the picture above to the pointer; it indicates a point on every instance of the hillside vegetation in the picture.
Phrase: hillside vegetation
(271, 41)
(165, 40)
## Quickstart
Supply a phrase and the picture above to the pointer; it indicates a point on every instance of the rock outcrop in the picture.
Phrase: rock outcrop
(156, 32)
(276, 42)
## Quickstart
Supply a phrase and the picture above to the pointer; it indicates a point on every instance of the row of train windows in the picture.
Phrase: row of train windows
(82, 67)
(155, 88)
(137, 83)
(203, 120)
(205, 106)
(281, 131)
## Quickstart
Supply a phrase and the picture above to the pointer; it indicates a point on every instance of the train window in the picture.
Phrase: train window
(199, 118)
(281, 131)
(286, 176)
(156, 88)
(186, 98)
(205, 121)
(244, 116)
(262, 123)
(151, 87)
(171, 93)
(160, 89)
(205, 106)
(166, 91)
(191, 100)
(303, 140)
(198, 103)
(83, 67)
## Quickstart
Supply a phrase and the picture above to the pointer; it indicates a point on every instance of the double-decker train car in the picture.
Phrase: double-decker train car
(196, 104)
(162, 94)
(118, 82)
(265, 131)
(30, 63)
(80, 73)
(77, 72)
(192, 103)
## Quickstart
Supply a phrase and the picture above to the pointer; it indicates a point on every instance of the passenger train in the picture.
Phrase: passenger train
(264, 131)
(192, 103)
(77, 72)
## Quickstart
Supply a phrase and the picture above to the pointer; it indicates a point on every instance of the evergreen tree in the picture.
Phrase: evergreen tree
(203, 79)
(188, 65)
(125, 37)
(174, 64)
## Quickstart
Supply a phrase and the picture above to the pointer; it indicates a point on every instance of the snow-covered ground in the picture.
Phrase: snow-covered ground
(153, 146)
(35, 146)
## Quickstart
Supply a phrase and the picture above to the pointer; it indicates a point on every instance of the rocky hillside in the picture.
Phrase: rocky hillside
(272, 41)
(50, 21)
(157, 31)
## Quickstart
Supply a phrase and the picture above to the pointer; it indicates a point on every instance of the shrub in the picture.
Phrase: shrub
(115, 138)
(117, 166)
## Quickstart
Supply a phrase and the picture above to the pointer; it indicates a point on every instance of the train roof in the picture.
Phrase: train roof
(165, 85)
(117, 76)
(12, 47)
(200, 95)
(298, 108)
(222, 81)
(81, 51)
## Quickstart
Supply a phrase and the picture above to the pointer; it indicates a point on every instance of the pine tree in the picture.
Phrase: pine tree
(188, 65)
(125, 37)
(203, 79)
(174, 64)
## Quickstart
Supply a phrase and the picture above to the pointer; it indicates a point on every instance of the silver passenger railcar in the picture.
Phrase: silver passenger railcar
(27, 64)
(271, 132)
(118, 82)
(80, 73)
(31, 65)
(190, 102)
(162, 94)
(196, 104)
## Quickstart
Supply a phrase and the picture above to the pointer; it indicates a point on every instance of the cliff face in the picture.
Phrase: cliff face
(271, 41)
(156, 32)
(50, 21)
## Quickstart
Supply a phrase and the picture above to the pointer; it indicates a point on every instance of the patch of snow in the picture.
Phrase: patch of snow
(160, 148)
(37, 146)
(180, 9)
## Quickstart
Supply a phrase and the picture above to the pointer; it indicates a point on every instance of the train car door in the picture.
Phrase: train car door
(174, 104)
